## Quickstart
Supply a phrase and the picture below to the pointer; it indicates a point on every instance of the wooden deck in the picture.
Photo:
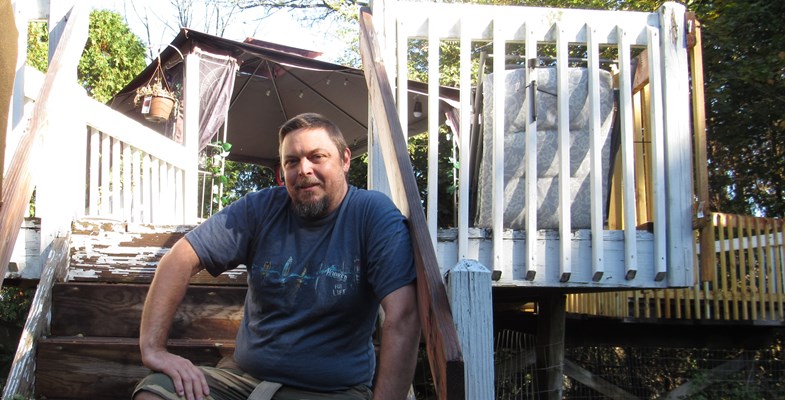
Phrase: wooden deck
(745, 284)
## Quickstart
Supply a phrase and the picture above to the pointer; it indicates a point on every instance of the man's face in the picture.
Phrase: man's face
(315, 171)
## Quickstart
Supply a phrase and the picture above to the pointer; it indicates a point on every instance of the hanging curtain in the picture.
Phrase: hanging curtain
(216, 83)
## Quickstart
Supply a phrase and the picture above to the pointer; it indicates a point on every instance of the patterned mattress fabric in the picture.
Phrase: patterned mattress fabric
(546, 98)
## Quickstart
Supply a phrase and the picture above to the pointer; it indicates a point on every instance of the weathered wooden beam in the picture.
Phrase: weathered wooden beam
(444, 351)
(20, 378)
(8, 53)
(550, 345)
(111, 251)
(115, 310)
(107, 368)
(469, 286)
(18, 179)
(695, 53)
(713, 375)
(602, 386)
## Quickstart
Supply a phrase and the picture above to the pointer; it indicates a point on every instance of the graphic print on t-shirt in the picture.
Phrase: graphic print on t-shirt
(327, 279)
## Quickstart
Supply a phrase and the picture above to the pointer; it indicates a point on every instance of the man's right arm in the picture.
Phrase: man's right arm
(166, 292)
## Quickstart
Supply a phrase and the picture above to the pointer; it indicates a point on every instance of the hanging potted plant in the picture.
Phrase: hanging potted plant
(156, 97)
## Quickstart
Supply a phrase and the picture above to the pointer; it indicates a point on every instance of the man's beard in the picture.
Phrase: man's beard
(311, 209)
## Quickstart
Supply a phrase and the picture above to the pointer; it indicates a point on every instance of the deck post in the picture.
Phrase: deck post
(191, 135)
(550, 346)
(471, 302)
(60, 190)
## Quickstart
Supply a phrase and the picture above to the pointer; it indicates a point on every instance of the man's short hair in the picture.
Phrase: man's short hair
(313, 121)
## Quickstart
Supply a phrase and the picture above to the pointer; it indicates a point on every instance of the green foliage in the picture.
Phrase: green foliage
(112, 57)
(212, 159)
(14, 305)
(358, 171)
(744, 66)
(38, 45)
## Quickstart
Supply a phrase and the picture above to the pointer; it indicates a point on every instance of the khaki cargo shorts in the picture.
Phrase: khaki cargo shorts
(229, 383)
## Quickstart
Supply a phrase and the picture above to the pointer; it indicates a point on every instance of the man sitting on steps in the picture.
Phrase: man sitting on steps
(321, 257)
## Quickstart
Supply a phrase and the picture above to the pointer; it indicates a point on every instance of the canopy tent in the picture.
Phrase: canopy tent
(271, 84)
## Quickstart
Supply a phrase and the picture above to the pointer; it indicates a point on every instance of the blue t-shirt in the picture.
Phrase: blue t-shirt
(314, 286)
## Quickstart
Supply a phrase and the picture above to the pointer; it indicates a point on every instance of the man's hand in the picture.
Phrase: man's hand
(189, 381)
(163, 298)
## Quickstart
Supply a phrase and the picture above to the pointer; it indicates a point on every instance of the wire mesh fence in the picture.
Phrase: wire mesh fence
(607, 372)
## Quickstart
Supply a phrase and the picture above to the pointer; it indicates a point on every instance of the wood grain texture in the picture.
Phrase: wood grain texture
(444, 351)
(18, 179)
(107, 368)
(111, 251)
(114, 310)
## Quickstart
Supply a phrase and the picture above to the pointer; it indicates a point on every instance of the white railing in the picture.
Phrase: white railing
(134, 173)
(541, 37)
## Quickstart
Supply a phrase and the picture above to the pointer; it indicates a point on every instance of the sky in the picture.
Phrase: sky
(281, 27)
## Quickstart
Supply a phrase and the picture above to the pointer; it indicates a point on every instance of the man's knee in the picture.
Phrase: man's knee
(143, 395)
(155, 386)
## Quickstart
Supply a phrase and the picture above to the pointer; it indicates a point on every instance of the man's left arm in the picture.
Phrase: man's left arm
(400, 340)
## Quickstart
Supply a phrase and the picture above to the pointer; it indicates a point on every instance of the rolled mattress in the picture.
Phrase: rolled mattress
(547, 148)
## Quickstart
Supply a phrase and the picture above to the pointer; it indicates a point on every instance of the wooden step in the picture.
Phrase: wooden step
(114, 310)
(106, 368)
(111, 251)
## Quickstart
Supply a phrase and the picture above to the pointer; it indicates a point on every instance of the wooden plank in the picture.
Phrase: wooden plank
(531, 147)
(9, 50)
(641, 74)
(627, 157)
(771, 289)
(751, 269)
(469, 285)
(678, 155)
(497, 154)
(760, 268)
(104, 368)
(731, 254)
(642, 156)
(595, 150)
(20, 377)
(441, 340)
(779, 268)
(93, 170)
(104, 190)
(563, 128)
(737, 268)
(116, 183)
(695, 55)
(127, 194)
(432, 199)
(112, 310)
(656, 135)
(725, 274)
(465, 133)
(550, 346)
(602, 386)
(111, 251)
(18, 181)
(710, 377)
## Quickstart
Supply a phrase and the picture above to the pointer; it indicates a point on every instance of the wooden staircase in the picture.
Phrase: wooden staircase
(92, 350)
